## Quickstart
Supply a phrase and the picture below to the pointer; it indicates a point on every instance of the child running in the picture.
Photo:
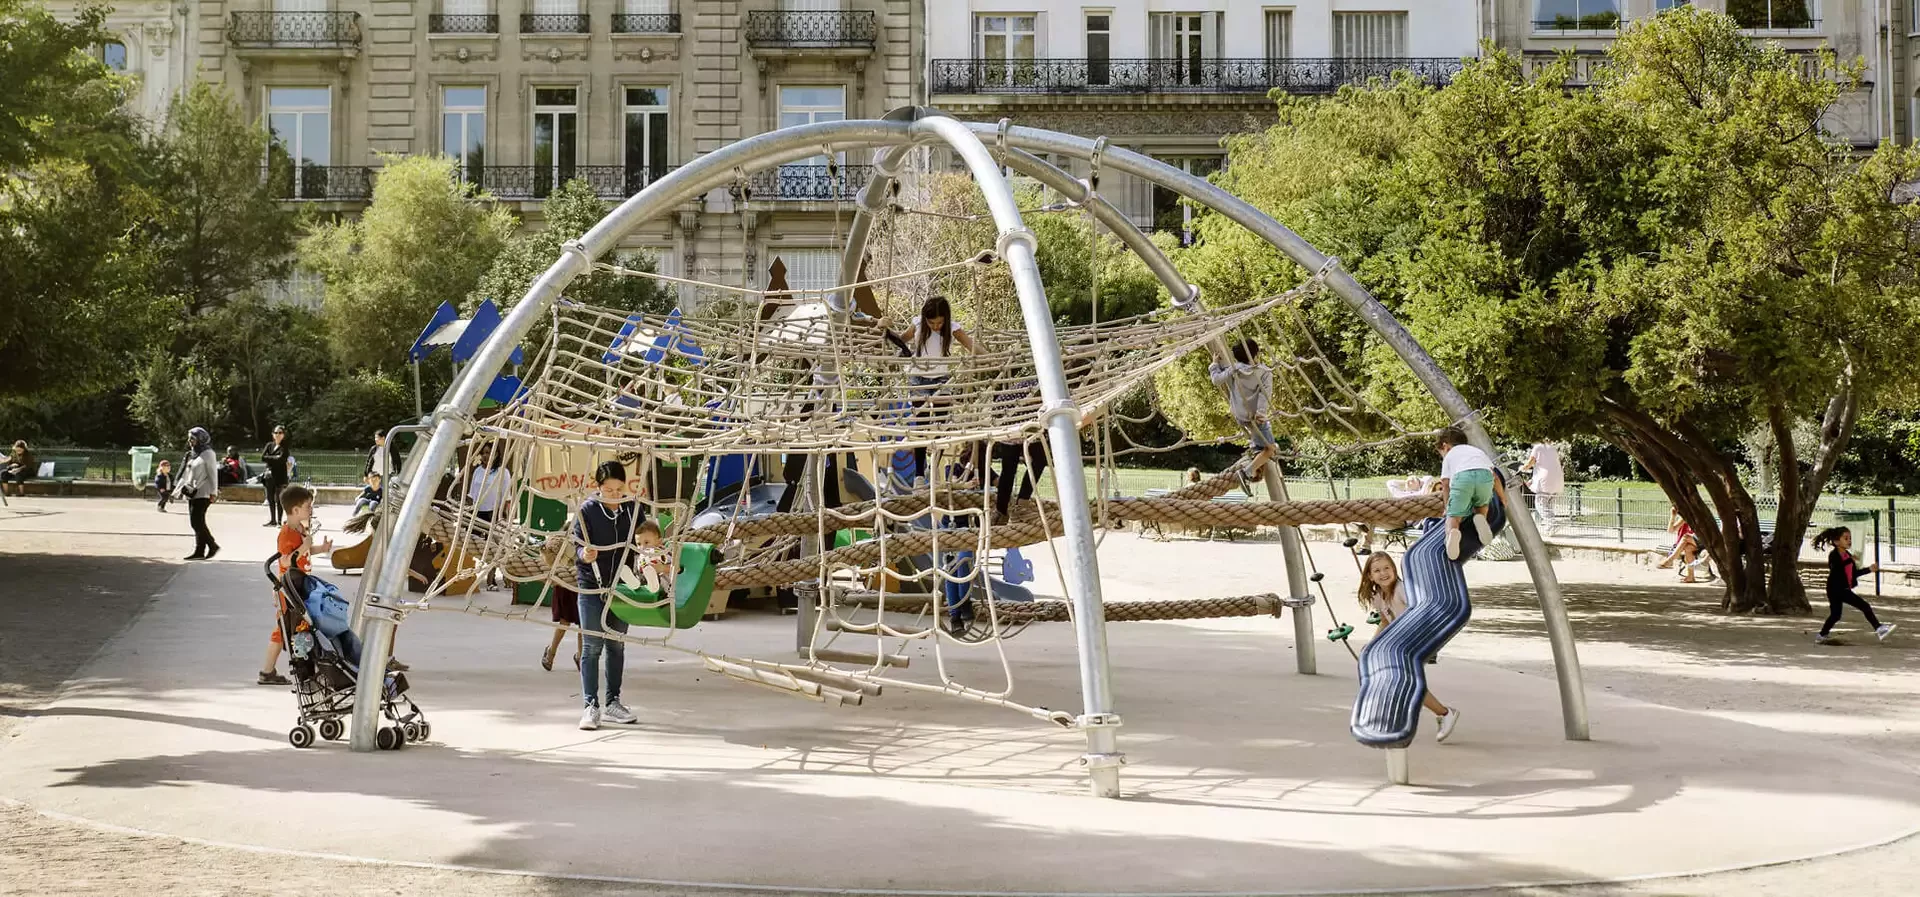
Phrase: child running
(604, 531)
(163, 483)
(1466, 473)
(297, 549)
(1249, 386)
(1842, 576)
(1380, 593)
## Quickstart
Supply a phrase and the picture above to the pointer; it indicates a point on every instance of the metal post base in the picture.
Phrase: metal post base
(1293, 551)
(1399, 771)
(376, 638)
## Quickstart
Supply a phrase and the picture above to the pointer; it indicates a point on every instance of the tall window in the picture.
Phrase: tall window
(1182, 42)
(1370, 35)
(114, 54)
(1005, 46)
(809, 178)
(811, 269)
(646, 136)
(1576, 15)
(463, 129)
(556, 7)
(811, 5)
(1664, 5)
(1170, 215)
(1100, 46)
(556, 136)
(1279, 34)
(463, 7)
(1762, 15)
(300, 122)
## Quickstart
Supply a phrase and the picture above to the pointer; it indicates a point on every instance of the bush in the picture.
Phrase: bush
(351, 408)
(174, 395)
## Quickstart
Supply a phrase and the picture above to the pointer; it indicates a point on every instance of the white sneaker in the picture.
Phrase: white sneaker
(1447, 723)
(1453, 544)
(590, 718)
(1884, 630)
(1822, 638)
(617, 712)
(1486, 532)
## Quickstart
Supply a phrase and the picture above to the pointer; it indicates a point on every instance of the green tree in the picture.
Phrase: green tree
(351, 408)
(570, 212)
(219, 229)
(273, 356)
(426, 238)
(1663, 260)
(173, 395)
(60, 102)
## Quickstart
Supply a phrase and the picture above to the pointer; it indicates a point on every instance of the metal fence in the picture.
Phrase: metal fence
(320, 468)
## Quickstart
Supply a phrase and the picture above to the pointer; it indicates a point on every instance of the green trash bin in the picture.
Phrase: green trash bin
(143, 463)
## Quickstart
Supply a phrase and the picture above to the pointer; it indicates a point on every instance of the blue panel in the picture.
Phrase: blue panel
(442, 316)
(485, 320)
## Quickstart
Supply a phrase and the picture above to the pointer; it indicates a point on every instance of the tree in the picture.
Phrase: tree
(351, 409)
(60, 101)
(570, 211)
(426, 238)
(220, 228)
(1663, 260)
(273, 357)
(175, 395)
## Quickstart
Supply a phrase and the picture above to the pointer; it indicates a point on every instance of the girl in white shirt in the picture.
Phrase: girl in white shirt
(931, 339)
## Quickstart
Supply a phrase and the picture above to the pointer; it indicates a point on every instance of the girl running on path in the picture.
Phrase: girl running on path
(1380, 593)
(1842, 576)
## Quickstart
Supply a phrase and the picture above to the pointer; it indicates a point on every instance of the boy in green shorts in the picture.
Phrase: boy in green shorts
(1466, 473)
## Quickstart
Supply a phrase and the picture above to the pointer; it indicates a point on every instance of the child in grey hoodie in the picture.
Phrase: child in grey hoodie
(1249, 387)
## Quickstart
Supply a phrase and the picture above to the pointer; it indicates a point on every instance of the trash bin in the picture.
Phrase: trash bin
(143, 463)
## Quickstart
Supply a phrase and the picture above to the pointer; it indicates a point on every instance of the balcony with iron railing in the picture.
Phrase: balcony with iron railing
(303, 33)
(1585, 66)
(463, 24)
(1173, 75)
(805, 183)
(554, 23)
(320, 183)
(537, 182)
(779, 31)
(646, 23)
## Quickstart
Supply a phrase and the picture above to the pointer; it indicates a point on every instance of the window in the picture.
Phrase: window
(463, 7)
(809, 178)
(811, 269)
(1100, 47)
(463, 129)
(1280, 33)
(1005, 47)
(646, 7)
(646, 137)
(1370, 35)
(556, 7)
(114, 54)
(1181, 43)
(299, 121)
(556, 136)
(1576, 15)
(300, 287)
(810, 5)
(1772, 15)
(1170, 215)
(1660, 6)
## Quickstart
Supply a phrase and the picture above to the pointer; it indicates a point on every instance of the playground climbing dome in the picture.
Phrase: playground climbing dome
(918, 557)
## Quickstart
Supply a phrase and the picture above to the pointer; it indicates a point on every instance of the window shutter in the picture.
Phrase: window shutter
(1280, 34)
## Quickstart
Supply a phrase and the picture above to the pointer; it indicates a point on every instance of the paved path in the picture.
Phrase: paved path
(1241, 769)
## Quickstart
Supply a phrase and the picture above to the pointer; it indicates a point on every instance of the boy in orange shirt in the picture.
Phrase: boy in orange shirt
(296, 548)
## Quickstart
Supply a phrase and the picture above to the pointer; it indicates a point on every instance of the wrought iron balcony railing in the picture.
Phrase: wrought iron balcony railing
(294, 30)
(800, 29)
(463, 24)
(1599, 21)
(1122, 76)
(1584, 66)
(550, 23)
(799, 183)
(337, 183)
(649, 23)
(529, 182)
(1795, 21)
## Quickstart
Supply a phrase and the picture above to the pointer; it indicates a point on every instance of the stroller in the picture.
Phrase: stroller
(325, 670)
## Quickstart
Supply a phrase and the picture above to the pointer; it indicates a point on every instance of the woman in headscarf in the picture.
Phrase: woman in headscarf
(199, 483)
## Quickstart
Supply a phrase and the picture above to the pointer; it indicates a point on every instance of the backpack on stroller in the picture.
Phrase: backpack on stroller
(324, 655)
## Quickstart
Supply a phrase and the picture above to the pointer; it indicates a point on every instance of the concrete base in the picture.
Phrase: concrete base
(1241, 774)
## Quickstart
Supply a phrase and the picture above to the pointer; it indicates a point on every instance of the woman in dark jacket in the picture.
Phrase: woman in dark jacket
(275, 457)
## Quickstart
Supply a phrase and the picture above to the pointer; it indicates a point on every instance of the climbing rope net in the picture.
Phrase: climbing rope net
(917, 560)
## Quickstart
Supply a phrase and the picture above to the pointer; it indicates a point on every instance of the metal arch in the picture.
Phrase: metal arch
(1566, 658)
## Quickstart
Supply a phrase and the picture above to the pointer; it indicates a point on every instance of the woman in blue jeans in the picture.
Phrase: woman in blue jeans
(605, 532)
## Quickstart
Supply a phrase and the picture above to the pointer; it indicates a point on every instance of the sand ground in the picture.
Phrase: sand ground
(73, 573)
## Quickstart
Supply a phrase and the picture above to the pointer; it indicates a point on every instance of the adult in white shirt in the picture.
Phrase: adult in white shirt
(1548, 479)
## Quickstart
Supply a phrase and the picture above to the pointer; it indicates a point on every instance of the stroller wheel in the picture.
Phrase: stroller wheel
(426, 732)
(331, 729)
(413, 732)
(300, 736)
(389, 739)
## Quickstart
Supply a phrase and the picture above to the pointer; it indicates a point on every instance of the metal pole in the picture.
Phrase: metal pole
(1293, 552)
(1016, 245)
(1876, 553)
(1620, 514)
(1893, 532)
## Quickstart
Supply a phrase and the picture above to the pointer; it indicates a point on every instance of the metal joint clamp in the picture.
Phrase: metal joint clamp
(1297, 602)
(1051, 410)
(1015, 235)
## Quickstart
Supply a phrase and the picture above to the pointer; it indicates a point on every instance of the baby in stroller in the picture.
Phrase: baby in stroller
(314, 623)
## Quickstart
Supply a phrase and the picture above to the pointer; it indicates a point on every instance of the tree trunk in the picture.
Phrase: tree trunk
(1799, 495)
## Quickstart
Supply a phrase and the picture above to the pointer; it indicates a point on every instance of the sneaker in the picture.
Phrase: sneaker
(1485, 531)
(196, 556)
(1884, 630)
(1453, 544)
(590, 718)
(1447, 723)
(1822, 638)
(274, 678)
(395, 666)
(617, 712)
(1246, 482)
(211, 552)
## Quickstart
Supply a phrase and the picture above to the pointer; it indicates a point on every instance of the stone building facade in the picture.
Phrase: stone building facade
(530, 93)
(150, 45)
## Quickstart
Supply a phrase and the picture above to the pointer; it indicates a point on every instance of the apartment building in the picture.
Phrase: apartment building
(150, 45)
(1863, 29)
(528, 94)
(1171, 77)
